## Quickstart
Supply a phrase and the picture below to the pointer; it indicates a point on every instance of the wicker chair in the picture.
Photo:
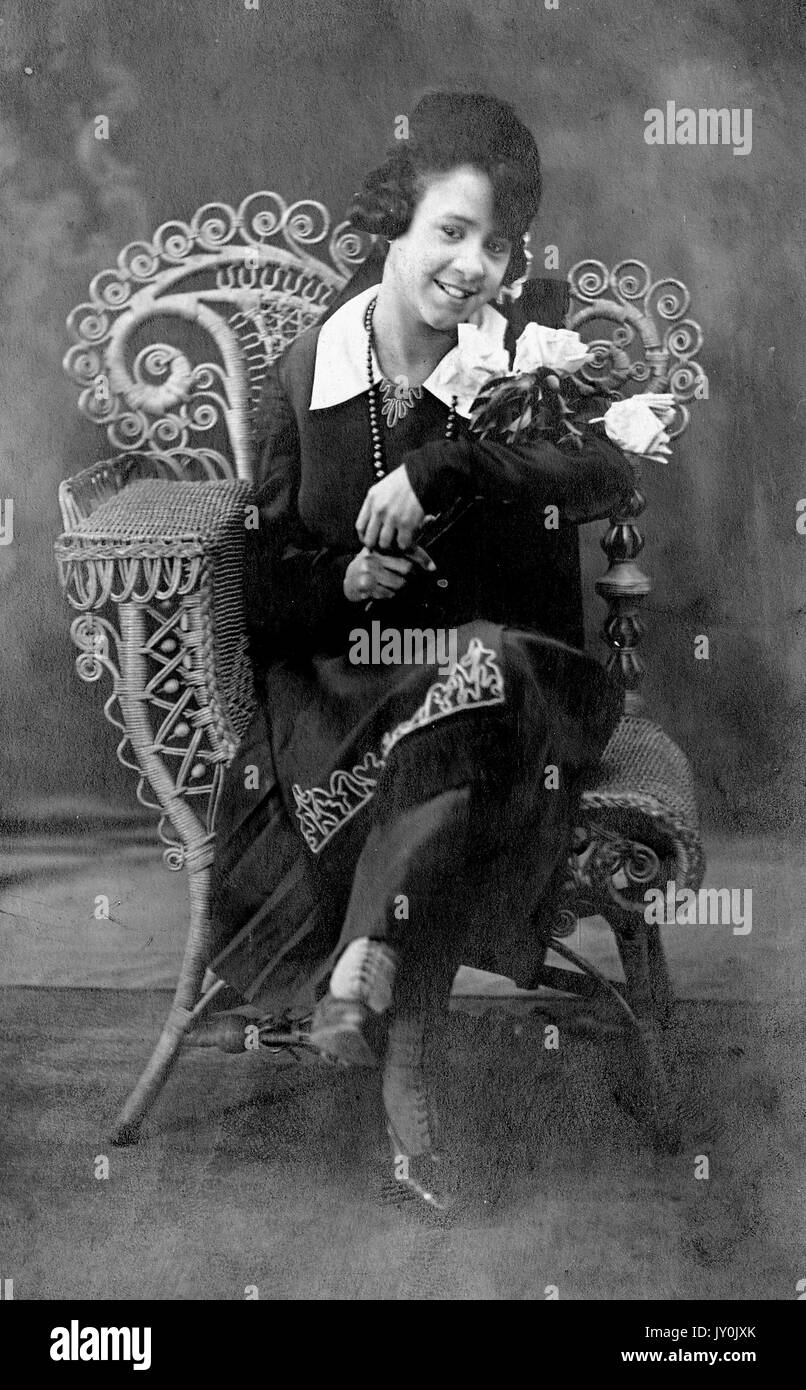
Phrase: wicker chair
(152, 547)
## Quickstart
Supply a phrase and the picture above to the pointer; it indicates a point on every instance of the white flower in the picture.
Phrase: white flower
(477, 358)
(635, 426)
(478, 351)
(557, 348)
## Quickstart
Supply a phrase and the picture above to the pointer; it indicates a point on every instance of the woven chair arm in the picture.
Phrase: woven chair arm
(152, 519)
(82, 494)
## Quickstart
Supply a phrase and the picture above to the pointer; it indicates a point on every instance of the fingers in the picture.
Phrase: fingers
(386, 537)
(374, 588)
(371, 575)
(421, 557)
(363, 516)
(390, 513)
(386, 568)
(384, 574)
(400, 563)
(377, 575)
(371, 529)
(389, 581)
(383, 535)
(380, 590)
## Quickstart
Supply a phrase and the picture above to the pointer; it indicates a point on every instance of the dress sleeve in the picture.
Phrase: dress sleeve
(293, 587)
(584, 485)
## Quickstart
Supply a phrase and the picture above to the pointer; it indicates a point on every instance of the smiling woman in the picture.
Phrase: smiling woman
(384, 839)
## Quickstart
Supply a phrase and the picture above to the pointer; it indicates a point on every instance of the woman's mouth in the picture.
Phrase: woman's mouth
(454, 291)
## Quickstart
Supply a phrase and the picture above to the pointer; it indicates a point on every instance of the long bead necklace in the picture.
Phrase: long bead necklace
(378, 456)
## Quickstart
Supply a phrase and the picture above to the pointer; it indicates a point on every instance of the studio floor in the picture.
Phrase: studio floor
(259, 1174)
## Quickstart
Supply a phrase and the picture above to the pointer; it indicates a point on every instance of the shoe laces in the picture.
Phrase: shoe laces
(365, 971)
(406, 1091)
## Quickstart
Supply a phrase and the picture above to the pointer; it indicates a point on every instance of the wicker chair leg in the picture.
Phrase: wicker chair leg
(659, 980)
(180, 1019)
(658, 1106)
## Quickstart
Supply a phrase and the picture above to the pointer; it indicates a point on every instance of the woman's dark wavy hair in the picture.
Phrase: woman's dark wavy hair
(447, 129)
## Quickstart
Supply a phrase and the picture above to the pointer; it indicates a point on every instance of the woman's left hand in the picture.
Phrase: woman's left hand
(391, 514)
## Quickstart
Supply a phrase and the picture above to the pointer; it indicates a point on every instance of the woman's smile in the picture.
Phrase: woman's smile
(454, 291)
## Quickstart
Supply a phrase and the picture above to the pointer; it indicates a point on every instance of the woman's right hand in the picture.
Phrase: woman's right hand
(372, 575)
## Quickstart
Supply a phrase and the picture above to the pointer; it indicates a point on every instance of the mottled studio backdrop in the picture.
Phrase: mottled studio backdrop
(208, 100)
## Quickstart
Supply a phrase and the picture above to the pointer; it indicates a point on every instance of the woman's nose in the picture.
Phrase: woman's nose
(469, 262)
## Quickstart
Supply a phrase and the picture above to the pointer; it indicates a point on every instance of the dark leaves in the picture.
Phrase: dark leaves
(538, 404)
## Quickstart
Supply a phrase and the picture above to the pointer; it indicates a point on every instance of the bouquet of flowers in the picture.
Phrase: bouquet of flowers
(542, 394)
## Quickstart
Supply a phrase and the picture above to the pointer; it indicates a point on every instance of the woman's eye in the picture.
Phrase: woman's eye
(451, 231)
(498, 248)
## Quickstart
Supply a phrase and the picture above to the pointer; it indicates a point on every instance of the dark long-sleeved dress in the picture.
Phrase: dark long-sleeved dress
(425, 802)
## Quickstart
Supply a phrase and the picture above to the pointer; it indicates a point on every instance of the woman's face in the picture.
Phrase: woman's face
(453, 258)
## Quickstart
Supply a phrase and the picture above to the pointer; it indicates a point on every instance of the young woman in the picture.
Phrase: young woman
(392, 813)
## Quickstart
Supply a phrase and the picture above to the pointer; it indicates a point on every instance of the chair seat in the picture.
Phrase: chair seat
(644, 789)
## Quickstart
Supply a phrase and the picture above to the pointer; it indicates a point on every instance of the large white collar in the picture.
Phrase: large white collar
(340, 370)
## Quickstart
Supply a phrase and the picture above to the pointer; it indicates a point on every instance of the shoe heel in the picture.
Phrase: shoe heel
(339, 1033)
(428, 1176)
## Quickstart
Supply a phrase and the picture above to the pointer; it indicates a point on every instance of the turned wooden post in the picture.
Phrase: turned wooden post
(624, 588)
(637, 333)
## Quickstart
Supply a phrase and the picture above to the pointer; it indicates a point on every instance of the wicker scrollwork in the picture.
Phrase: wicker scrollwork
(158, 705)
(620, 870)
(247, 278)
(605, 869)
(610, 868)
(637, 329)
(97, 641)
